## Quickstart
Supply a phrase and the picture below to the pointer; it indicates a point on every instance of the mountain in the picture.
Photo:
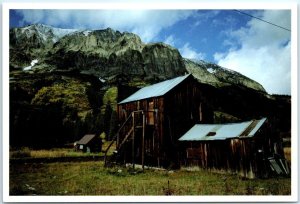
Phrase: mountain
(108, 54)
(66, 82)
(218, 76)
(30, 42)
(39, 33)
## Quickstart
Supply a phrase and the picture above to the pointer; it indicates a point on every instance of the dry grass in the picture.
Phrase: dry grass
(111, 149)
(57, 152)
(91, 178)
(48, 153)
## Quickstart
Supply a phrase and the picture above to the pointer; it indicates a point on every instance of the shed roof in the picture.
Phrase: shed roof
(155, 90)
(86, 139)
(201, 132)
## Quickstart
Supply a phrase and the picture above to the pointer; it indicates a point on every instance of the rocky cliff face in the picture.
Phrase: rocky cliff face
(32, 42)
(103, 53)
(108, 54)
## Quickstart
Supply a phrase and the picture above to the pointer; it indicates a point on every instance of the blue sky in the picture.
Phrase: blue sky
(226, 37)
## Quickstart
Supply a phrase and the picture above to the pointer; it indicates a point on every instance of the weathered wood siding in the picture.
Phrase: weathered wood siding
(153, 109)
(174, 113)
(243, 156)
(185, 106)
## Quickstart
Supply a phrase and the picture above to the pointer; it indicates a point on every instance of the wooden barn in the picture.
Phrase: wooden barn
(89, 143)
(245, 148)
(153, 118)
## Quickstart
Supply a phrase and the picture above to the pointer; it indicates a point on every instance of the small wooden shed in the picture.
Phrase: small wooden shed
(246, 148)
(153, 118)
(89, 143)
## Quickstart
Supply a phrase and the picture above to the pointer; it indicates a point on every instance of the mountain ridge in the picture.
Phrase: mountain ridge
(108, 52)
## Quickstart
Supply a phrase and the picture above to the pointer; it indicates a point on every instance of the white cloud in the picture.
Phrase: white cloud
(265, 52)
(204, 15)
(146, 23)
(188, 52)
(170, 40)
(219, 56)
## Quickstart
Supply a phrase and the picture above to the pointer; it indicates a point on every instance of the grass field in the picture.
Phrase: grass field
(26, 152)
(51, 153)
(91, 178)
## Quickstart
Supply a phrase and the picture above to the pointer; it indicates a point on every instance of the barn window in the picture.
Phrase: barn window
(150, 118)
(151, 105)
(211, 134)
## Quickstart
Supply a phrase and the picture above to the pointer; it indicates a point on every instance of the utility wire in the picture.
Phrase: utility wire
(262, 20)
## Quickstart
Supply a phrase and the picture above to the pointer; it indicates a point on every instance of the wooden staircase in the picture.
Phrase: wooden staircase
(128, 128)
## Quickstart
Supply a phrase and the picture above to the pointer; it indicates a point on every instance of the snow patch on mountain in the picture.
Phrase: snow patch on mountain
(33, 62)
(59, 33)
(211, 70)
(199, 62)
(102, 80)
(229, 70)
(87, 32)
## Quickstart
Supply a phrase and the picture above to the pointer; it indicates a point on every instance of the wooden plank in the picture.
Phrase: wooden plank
(143, 141)
(133, 135)
(126, 137)
(249, 128)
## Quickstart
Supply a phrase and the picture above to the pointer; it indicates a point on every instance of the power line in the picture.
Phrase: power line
(262, 20)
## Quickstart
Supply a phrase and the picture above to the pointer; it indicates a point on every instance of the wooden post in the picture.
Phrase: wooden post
(117, 141)
(200, 113)
(143, 141)
(133, 135)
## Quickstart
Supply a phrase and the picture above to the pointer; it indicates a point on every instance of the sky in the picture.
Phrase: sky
(228, 38)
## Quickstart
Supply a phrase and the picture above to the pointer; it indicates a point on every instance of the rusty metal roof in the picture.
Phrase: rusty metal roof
(86, 139)
(204, 132)
(155, 90)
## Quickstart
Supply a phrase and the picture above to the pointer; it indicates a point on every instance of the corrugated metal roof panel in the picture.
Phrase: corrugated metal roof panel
(256, 128)
(155, 90)
(221, 131)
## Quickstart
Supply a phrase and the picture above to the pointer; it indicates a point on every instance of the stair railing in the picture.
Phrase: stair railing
(116, 137)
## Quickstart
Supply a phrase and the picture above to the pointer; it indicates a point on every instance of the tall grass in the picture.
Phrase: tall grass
(45, 153)
(26, 152)
(91, 178)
